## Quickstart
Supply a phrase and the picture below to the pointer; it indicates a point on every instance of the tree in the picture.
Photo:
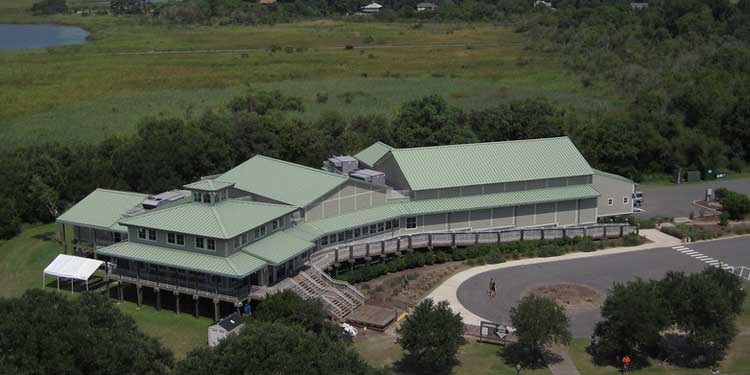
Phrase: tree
(47, 333)
(289, 308)
(634, 315)
(430, 121)
(430, 336)
(128, 6)
(49, 7)
(736, 205)
(539, 321)
(264, 348)
(704, 306)
(10, 221)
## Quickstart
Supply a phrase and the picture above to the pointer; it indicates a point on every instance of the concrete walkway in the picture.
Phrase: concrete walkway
(447, 290)
(565, 365)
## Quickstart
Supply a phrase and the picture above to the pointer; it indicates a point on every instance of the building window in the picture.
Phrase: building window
(206, 198)
(151, 235)
(341, 236)
(324, 241)
(244, 238)
(381, 227)
(275, 224)
(199, 243)
(411, 222)
(211, 244)
(348, 235)
(388, 225)
(395, 223)
(196, 196)
(373, 229)
(171, 238)
(181, 239)
(332, 238)
(223, 195)
(357, 233)
(142, 233)
(624, 200)
(610, 201)
(365, 230)
(118, 237)
(236, 242)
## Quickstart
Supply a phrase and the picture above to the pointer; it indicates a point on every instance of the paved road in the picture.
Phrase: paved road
(675, 200)
(596, 272)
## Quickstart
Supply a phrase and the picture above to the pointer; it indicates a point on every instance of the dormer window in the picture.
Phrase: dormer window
(196, 196)
(206, 197)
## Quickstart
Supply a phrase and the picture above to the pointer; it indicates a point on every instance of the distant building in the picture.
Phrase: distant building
(230, 325)
(421, 7)
(639, 6)
(373, 7)
(547, 4)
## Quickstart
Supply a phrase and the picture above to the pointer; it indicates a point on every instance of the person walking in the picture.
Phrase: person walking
(625, 364)
(491, 286)
(493, 289)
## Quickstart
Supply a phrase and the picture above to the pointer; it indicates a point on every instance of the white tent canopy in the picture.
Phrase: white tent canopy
(72, 267)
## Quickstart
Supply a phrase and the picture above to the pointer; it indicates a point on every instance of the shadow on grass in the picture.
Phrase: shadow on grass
(410, 365)
(46, 236)
(515, 354)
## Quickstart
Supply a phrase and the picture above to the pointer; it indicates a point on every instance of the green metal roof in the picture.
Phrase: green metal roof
(612, 175)
(488, 163)
(311, 230)
(277, 248)
(373, 153)
(209, 185)
(225, 219)
(102, 209)
(237, 265)
(282, 181)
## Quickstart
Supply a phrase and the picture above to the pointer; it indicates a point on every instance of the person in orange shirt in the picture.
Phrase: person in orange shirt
(625, 363)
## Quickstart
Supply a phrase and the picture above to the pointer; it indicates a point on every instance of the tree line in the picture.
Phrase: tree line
(42, 181)
(680, 64)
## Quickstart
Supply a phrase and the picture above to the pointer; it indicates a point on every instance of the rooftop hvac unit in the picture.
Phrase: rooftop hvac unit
(162, 199)
(341, 164)
(369, 175)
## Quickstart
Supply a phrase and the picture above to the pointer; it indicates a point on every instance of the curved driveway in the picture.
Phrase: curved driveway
(598, 272)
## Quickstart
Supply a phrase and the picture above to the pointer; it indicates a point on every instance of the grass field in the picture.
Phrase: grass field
(474, 358)
(82, 93)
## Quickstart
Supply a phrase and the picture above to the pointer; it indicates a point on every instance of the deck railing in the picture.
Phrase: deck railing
(392, 245)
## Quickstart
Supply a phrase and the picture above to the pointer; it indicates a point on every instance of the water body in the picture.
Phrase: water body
(13, 37)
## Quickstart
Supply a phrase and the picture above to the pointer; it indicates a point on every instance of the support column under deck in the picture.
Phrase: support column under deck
(195, 300)
(177, 301)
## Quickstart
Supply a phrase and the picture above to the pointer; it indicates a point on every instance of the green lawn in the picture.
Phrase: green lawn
(474, 358)
(23, 258)
(82, 93)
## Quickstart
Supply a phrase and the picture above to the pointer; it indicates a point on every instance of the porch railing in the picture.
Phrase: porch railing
(392, 245)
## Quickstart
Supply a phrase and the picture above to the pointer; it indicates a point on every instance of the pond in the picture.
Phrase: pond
(39, 36)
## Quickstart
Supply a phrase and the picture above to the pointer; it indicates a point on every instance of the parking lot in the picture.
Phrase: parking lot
(676, 200)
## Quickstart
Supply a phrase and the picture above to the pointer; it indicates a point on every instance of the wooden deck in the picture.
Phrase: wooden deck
(374, 317)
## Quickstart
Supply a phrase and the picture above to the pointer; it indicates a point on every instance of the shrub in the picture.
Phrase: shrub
(632, 240)
(586, 245)
(49, 7)
(549, 251)
(321, 97)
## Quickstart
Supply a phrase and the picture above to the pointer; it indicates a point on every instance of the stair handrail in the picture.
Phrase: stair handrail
(358, 294)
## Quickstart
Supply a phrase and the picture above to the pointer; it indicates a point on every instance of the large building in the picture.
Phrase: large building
(233, 236)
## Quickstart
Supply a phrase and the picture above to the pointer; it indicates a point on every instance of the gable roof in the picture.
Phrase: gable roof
(282, 181)
(102, 209)
(612, 175)
(209, 185)
(489, 163)
(225, 219)
(373, 153)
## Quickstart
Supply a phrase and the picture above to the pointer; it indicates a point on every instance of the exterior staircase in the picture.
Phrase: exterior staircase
(339, 297)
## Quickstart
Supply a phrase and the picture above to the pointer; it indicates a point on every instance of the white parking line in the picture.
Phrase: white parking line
(702, 257)
(691, 252)
(697, 255)
(712, 262)
(686, 251)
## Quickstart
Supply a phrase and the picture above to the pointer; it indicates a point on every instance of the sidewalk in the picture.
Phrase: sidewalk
(447, 290)
(565, 366)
